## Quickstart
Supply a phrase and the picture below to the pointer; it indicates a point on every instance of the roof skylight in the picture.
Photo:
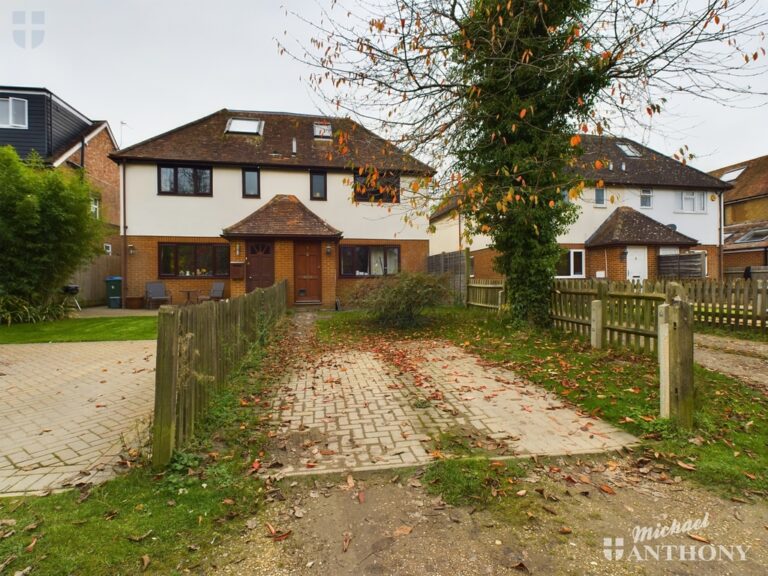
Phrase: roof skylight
(731, 175)
(754, 236)
(628, 149)
(322, 130)
(245, 126)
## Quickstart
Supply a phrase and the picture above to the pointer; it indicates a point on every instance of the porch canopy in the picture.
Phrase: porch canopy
(628, 227)
(284, 216)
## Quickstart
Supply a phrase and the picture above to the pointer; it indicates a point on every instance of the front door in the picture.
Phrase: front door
(637, 263)
(259, 265)
(306, 275)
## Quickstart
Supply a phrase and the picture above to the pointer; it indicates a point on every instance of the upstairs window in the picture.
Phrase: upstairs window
(628, 149)
(13, 113)
(732, 175)
(646, 198)
(95, 207)
(754, 236)
(693, 202)
(251, 183)
(318, 186)
(322, 130)
(599, 196)
(184, 181)
(381, 188)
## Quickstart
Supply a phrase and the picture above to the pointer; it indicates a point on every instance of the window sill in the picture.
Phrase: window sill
(9, 127)
(185, 195)
(699, 213)
(166, 277)
(603, 206)
(579, 277)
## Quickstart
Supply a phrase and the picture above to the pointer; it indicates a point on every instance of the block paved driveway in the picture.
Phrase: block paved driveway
(66, 408)
(363, 410)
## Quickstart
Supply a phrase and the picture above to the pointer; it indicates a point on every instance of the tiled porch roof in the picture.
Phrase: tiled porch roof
(628, 227)
(283, 216)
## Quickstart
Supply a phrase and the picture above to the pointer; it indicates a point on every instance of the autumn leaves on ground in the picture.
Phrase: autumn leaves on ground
(221, 507)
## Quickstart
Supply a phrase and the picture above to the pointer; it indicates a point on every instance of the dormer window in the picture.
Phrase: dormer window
(245, 126)
(322, 130)
(13, 113)
(628, 149)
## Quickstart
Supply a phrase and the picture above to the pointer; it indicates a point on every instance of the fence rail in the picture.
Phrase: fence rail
(197, 348)
(485, 293)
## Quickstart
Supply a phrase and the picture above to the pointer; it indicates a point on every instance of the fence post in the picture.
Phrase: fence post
(597, 316)
(164, 428)
(467, 270)
(676, 361)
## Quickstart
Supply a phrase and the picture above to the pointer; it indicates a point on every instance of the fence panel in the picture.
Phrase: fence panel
(197, 348)
(485, 293)
(452, 265)
(90, 278)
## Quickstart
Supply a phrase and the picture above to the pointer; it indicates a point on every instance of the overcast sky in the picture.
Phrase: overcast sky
(158, 64)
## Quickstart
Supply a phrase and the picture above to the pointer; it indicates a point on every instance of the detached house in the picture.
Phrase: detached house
(745, 213)
(250, 198)
(652, 217)
(36, 120)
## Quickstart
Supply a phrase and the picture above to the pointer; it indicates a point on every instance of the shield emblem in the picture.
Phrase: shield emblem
(613, 549)
(28, 28)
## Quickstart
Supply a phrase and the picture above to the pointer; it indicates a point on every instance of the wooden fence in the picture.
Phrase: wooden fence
(197, 348)
(628, 311)
(485, 293)
(91, 277)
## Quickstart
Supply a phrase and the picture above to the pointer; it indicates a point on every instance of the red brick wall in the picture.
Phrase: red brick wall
(483, 264)
(103, 174)
(744, 259)
(610, 260)
(413, 258)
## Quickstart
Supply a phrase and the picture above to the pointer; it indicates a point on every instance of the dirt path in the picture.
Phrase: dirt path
(742, 359)
(562, 518)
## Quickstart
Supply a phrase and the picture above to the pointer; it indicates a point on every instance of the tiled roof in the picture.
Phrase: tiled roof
(447, 206)
(283, 216)
(628, 227)
(751, 183)
(649, 168)
(206, 140)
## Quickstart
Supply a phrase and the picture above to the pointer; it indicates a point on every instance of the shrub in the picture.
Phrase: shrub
(400, 300)
(15, 310)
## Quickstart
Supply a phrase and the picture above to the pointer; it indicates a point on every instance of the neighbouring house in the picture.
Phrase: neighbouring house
(251, 198)
(652, 217)
(745, 208)
(35, 119)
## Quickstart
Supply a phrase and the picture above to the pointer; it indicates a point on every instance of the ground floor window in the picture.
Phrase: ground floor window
(571, 265)
(194, 260)
(370, 260)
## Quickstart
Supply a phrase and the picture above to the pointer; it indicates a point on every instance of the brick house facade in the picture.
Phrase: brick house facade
(251, 198)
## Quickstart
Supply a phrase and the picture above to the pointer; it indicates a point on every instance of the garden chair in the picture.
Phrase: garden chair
(155, 292)
(216, 293)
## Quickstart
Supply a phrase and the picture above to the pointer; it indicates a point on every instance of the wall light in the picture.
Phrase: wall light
(131, 249)
(237, 248)
(328, 248)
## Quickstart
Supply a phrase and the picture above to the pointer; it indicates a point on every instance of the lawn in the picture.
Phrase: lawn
(81, 330)
(726, 450)
(171, 518)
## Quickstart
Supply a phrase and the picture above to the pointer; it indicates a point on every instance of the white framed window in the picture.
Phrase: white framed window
(691, 201)
(95, 208)
(13, 113)
(245, 126)
(646, 198)
(600, 197)
(571, 265)
(628, 149)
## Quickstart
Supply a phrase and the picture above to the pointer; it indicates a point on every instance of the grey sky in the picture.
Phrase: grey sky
(159, 64)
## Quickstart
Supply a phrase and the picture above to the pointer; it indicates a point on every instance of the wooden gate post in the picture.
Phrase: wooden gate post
(597, 316)
(164, 427)
(676, 361)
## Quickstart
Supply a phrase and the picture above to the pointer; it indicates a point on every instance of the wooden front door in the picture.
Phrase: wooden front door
(306, 274)
(259, 265)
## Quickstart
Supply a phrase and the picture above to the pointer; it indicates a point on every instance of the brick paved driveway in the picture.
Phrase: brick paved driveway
(360, 410)
(66, 408)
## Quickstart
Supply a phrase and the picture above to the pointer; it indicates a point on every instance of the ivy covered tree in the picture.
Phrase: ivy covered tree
(46, 227)
(495, 93)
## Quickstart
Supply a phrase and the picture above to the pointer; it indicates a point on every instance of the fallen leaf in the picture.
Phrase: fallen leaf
(31, 545)
(522, 492)
(361, 497)
(145, 560)
(565, 530)
(698, 538)
(402, 531)
(139, 538)
(7, 522)
(685, 466)
(350, 481)
(346, 542)
(607, 489)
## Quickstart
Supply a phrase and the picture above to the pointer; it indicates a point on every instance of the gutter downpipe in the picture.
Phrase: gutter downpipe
(124, 260)
(720, 235)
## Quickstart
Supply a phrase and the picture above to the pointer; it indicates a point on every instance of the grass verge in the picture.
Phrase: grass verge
(81, 330)
(171, 518)
(726, 450)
